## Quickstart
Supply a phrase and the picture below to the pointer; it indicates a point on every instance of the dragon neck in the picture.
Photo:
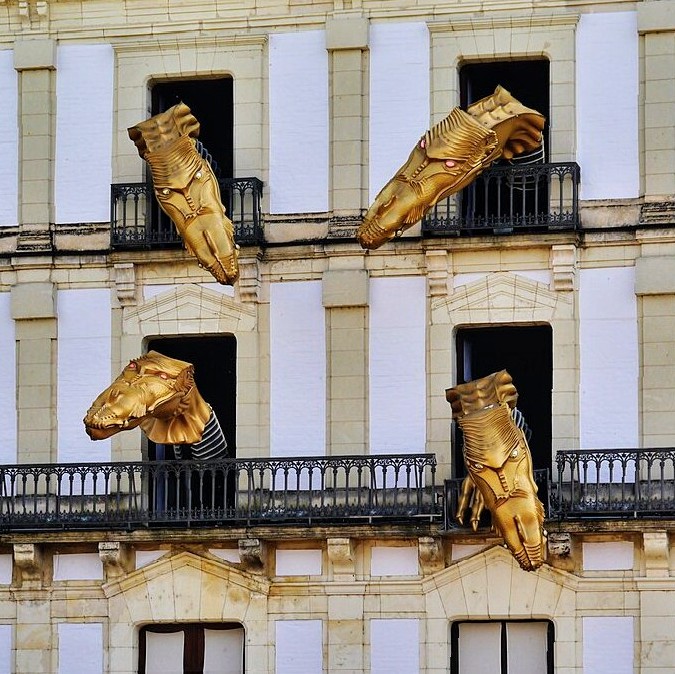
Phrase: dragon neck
(187, 424)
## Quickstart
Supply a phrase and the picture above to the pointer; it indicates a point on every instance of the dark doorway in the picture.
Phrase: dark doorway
(485, 204)
(527, 353)
(211, 103)
(215, 363)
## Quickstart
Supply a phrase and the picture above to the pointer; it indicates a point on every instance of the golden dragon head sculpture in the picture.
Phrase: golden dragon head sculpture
(187, 189)
(499, 464)
(154, 392)
(449, 157)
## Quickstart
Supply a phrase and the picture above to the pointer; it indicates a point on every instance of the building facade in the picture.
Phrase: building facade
(334, 546)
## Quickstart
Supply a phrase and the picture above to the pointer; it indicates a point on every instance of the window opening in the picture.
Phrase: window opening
(191, 648)
(528, 80)
(211, 102)
(502, 647)
(215, 362)
(527, 353)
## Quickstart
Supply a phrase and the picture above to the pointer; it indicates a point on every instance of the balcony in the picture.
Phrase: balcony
(138, 223)
(614, 483)
(339, 490)
(231, 492)
(510, 199)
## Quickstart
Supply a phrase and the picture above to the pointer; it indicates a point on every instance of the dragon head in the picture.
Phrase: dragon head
(448, 158)
(154, 392)
(499, 464)
(187, 189)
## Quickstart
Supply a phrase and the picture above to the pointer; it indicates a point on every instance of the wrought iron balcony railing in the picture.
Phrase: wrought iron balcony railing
(452, 490)
(614, 483)
(136, 221)
(230, 492)
(506, 199)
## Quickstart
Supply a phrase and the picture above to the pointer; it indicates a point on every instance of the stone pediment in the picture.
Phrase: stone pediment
(189, 308)
(187, 588)
(491, 583)
(172, 568)
(501, 297)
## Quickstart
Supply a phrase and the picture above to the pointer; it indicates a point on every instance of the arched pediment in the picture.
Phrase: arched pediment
(501, 297)
(189, 309)
(187, 587)
(490, 584)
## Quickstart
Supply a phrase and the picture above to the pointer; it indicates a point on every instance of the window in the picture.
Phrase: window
(502, 647)
(484, 203)
(211, 102)
(192, 648)
(526, 351)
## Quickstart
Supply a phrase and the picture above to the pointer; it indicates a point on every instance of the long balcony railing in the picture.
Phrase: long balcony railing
(507, 199)
(230, 492)
(614, 483)
(137, 221)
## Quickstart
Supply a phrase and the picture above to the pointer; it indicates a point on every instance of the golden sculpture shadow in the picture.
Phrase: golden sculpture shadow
(499, 464)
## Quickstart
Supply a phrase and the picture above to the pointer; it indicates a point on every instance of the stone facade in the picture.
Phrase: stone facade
(360, 597)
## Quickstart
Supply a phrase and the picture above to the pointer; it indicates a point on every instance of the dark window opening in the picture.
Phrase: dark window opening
(526, 352)
(206, 648)
(215, 362)
(502, 647)
(528, 80)
(211, 102)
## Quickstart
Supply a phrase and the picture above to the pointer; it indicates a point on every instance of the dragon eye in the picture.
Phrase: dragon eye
(133, 366)
(449, 163)
(166, 190)
(198, 175)
(163, 375)
(423, 143)
(514, 453)
(478, 466)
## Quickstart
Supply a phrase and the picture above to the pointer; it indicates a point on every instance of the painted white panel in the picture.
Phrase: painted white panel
(83, 169)
(479, 648)
(145, 557)
(226, 554)
(83, 566)
(5, 570)
(467, 279)
(6, 649)
(164, 652)
(298, 72)
(527, 647)
(298, 369)
(9, 140)
(613, 555)
(397, 365)
(299, 647)
(462, 551)
(8, 413)
(607, 53)
(223, 651)
(84, 356)
(394, 561)
(608, 645)
(537, 275)
(394, 646)
(399, 96)
(299, 562)
(609, 359)
(80, 648)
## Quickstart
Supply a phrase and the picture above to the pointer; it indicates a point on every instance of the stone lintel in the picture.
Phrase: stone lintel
(252, 554)
(657, 553)
(36, 54)
(347, 32)
(341, 555)
(33, 300)
(345, 288)
(654, 275)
